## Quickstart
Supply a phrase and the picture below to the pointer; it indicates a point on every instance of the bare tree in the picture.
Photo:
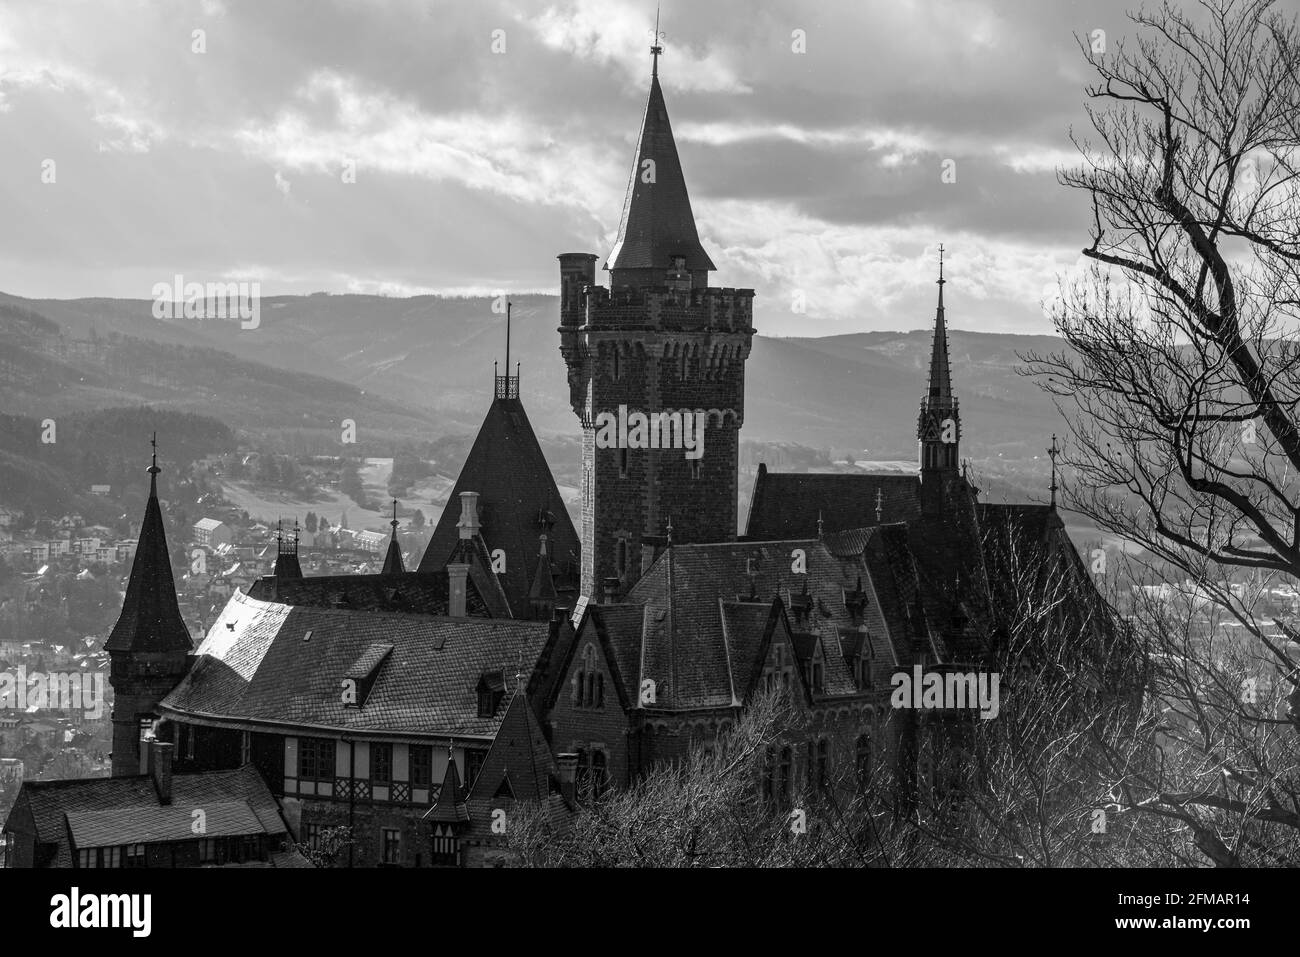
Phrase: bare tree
(1181, 384)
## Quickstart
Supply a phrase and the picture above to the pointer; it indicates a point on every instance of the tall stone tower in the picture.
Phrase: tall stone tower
(938, 427)
(658, 339)
(149, 646)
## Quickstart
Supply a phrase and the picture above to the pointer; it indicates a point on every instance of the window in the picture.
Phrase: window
(446, 847)
(133, 856)
(391, 846)
(622, 556)
(589, 681)
(100, 857)
(187, 741)
(863, 755)
(316, 759)
(421, 766)
(473, 764)
(310, 836)
(769, 777)
(599, 772)
(622, 463)
(246, 748)
(818, 678)
(381, 763)
(593, 773)
(616, 368)
(695, 466)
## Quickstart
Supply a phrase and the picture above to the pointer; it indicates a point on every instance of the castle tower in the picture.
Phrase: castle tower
(658, 340)
(149, 644)
(938, 427)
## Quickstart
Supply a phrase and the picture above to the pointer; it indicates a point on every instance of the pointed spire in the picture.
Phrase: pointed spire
(151, 617)
(940, 374)
(657, 223)
(393, 560)
(880, 504)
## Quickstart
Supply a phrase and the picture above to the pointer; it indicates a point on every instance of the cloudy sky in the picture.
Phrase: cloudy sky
(818, 172)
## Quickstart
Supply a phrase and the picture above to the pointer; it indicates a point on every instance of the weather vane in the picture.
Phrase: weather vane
(655, 47)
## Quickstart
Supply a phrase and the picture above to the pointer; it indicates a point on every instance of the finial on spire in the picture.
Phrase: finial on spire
(670, 531)
(394, 521)
(153, 469)
(880, 499)
(279, 529)
(655, 48)
(1052, 453)
(941, 279)
(819, 524)
(297, 533)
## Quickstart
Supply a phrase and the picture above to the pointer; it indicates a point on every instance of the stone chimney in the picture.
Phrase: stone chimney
(457, 582)
(468, 524)
(160, 769)
(567, 765)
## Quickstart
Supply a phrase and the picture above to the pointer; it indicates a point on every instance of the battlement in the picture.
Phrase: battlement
(671, 309)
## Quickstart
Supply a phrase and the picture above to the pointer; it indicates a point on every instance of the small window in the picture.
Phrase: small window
(421, 766)
(381, 764)
(617, 370)
(246, 747)
(622, 463)
(695, 467)
(391, 846)
(133, 856)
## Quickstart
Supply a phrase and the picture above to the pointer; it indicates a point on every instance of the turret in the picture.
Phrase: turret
(149, 646)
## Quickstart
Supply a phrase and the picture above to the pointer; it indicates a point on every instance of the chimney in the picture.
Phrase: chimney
(160, 769)
(457, 576)
(567, 765)
(468, 524)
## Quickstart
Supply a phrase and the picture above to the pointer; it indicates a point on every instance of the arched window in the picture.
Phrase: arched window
(599, 772)
(600, 690)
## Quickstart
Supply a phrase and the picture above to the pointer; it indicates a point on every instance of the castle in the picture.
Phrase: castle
(419, 707)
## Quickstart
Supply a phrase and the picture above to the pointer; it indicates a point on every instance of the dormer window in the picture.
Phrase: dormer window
(491, 689)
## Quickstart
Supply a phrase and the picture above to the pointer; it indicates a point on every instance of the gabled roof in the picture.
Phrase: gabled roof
(516, 489)
(133, 800)
(520, 757)
(788, 505)
(657, 222)
(265, 662)
(150, 619)
(703, 646)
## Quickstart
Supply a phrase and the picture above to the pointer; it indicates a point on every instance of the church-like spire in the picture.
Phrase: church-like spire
(940, 374)
(151, 618)
(938, 426)
(657, 230)
(393, 560)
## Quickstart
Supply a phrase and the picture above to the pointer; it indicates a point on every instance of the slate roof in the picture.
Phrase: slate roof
(268, 662)
(423, 593)
(657, 222)
(787, 505)
(520, 756)
(516, 488)
(52, 805)
(690, 625)
(150, 619)
(156, 825)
